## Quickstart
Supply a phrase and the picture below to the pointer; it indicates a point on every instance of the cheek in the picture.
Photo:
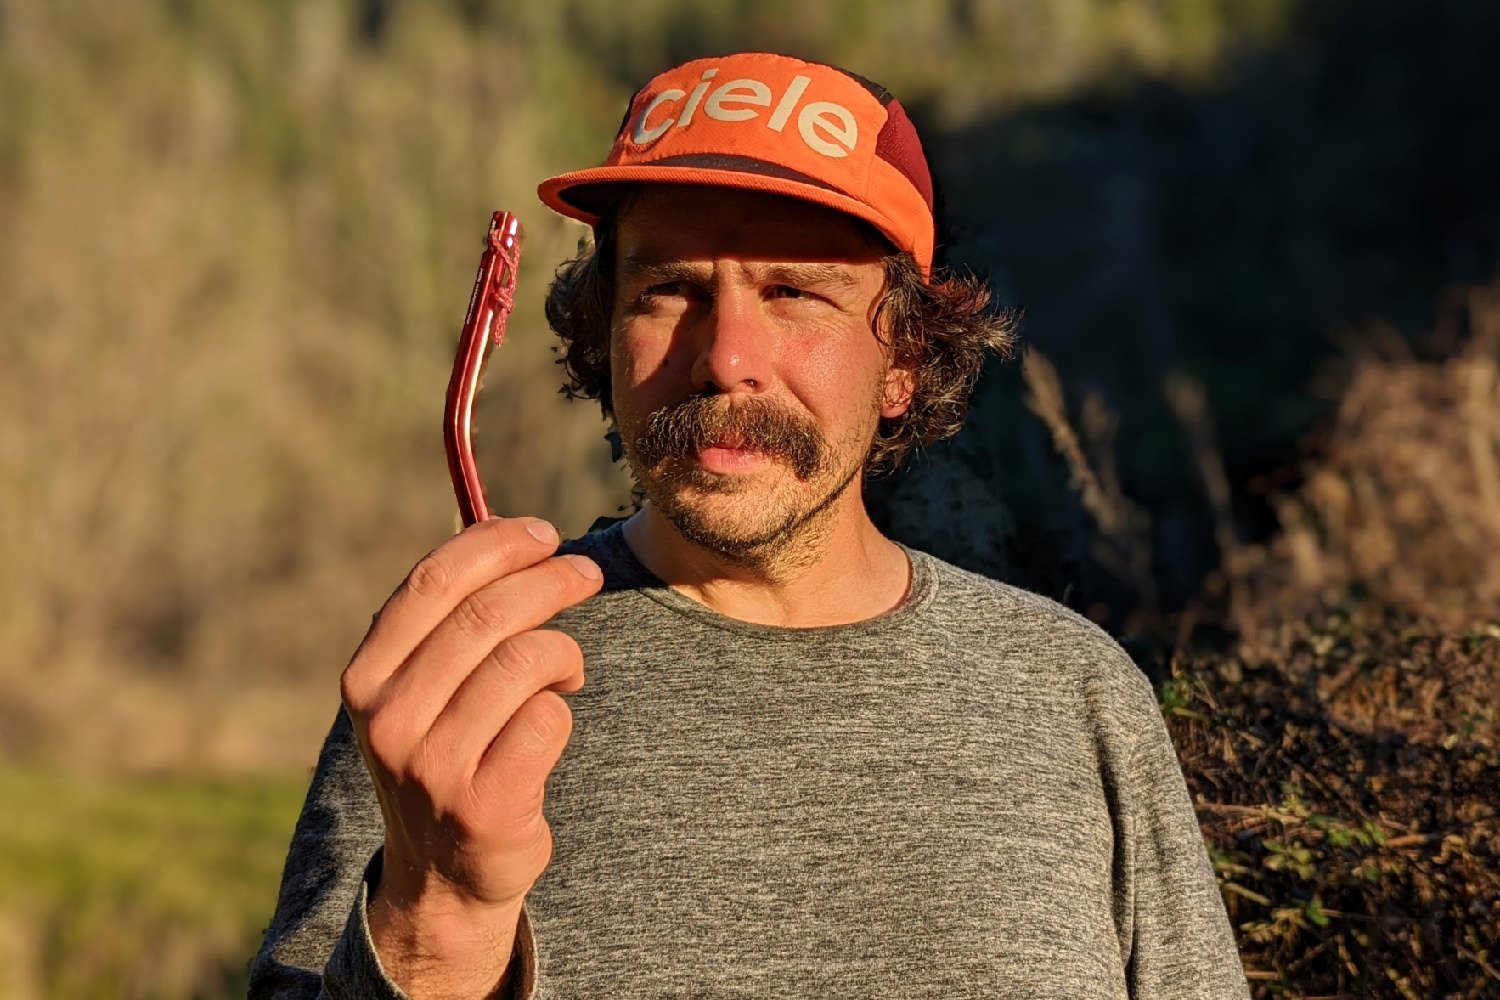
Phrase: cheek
(829, 374)
(635, 359)
(641, 374)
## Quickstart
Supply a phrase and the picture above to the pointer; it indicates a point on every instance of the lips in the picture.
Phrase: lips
(728, 460)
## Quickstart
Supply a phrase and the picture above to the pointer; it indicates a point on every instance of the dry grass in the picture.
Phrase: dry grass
(1402, 500)
(1122, 543)
(1350, 792)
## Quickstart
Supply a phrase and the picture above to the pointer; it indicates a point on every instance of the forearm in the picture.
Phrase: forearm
(337, 834)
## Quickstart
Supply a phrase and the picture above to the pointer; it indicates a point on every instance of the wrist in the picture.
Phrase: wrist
(434, 941)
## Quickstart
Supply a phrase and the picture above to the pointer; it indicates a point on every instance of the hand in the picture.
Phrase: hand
(453, 696)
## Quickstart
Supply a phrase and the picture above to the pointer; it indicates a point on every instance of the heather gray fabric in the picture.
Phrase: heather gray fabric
(971, 796)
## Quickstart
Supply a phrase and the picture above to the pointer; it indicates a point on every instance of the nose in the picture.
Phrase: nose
(734, 344)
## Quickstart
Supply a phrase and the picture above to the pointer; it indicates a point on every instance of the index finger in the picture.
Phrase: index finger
(475, 557)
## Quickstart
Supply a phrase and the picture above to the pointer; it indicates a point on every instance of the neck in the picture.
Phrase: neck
(842, 571)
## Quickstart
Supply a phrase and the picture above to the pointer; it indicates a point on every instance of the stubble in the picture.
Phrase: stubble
(745, 519)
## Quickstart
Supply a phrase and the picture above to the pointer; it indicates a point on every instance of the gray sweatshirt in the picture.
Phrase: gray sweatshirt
(972, 795)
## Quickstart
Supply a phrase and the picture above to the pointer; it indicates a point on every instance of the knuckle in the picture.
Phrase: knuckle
(531, 841)
(566, 646)
(386, 736)
(561, 648)
(522, 656)
(352, 689)
(430, 578)
(468, 823)
(542, 846)
(385, 763)
(547, 721)
(565, 656)
(531, 802)
(482, 615)
(427, 765)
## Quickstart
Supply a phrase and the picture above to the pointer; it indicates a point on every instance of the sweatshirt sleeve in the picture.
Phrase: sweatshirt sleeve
(318, 943)
(1181, 943)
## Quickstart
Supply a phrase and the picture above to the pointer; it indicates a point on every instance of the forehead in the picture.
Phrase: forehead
(671, 222)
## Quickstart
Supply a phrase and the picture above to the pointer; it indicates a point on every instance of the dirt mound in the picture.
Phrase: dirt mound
(1340, 733)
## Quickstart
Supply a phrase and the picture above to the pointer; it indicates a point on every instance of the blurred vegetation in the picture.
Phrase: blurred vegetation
(238, 245)
(236, 241)
(136, 887)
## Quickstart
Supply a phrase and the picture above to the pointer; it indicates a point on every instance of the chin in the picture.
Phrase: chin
(730, 520)
(743, 519)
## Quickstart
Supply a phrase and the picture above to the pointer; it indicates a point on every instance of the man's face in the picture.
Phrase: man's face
(747, 378)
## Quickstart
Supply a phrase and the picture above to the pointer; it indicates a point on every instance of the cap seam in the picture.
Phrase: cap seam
(777, 56)
(720, 152)
(875, 157)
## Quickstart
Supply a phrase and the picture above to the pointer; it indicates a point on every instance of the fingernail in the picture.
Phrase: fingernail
(586, 567)
(542, 532)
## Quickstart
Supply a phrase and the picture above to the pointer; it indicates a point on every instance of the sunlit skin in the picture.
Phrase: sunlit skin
(741, 295)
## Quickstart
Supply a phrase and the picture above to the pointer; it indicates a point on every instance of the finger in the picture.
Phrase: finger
(507, 678)
(476, 556)
(526, 750)
(481, 622)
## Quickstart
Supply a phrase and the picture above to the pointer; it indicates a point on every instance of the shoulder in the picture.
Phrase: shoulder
(962, 586)
(605, 544)
(989, 614)
(621, 596)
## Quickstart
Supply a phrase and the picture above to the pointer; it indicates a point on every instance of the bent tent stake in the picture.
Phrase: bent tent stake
(489, 306)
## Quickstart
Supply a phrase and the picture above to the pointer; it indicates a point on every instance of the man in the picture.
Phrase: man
(808, 761)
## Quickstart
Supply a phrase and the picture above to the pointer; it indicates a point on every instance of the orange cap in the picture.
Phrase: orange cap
(762, 122)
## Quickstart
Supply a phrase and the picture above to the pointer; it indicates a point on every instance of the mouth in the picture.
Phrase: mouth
(729, 455)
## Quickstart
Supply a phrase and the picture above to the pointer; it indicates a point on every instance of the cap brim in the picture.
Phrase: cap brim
(586, 195)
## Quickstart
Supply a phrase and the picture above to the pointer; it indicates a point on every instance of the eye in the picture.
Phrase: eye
(789, 292)
(666, 290)
(665, 297)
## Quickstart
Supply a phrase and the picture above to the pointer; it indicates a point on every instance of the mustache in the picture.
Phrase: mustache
(680, 430)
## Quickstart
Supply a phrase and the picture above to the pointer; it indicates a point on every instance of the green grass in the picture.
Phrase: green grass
(137, 887)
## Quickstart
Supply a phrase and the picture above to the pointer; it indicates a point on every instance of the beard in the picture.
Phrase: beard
(741, 517)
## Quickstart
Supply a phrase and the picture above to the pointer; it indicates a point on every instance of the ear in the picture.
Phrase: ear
(900, 386)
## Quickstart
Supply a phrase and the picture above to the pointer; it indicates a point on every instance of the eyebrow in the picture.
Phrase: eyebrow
(643, 270)
(805, 275)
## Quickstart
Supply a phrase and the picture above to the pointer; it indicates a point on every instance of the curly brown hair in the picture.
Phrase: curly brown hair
(939, 328)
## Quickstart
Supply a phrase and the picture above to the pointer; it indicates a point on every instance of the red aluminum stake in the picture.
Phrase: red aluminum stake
(489, 306)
